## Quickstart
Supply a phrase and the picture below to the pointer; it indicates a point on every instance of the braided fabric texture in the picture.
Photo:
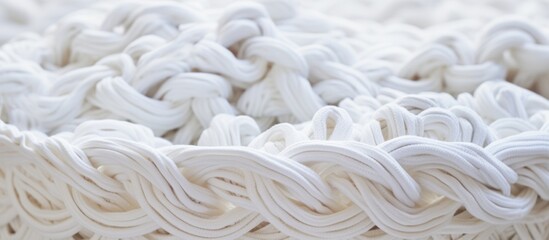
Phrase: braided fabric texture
(267, 120)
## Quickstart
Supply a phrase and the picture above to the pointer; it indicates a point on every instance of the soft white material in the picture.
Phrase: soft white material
(21, 16)
(172, 67)
(416, 168)
(396, 159)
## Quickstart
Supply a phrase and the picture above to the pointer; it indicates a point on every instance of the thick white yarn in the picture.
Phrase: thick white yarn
(392, 161)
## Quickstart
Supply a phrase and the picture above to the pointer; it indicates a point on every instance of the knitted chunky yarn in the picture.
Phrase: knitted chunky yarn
(267, 120)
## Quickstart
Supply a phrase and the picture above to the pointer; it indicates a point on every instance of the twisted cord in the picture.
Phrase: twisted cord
(386, 164)
(407, 186)
(513, 110)
(141, 56)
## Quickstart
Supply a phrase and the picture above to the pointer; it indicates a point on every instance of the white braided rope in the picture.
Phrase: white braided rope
(387, 163)
(353, 175)
(87, 70)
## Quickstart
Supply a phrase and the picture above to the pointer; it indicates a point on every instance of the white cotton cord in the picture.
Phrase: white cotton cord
(242, 130)
(399, 174)
(430, 166)
(511, 108)
(273, 119)
(270, 60)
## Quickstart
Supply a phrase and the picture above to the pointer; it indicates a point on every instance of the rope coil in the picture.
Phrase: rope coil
(428, 140)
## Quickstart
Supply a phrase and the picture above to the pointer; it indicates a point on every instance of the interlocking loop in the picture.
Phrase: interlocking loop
(440, 133)
(256, 59)
(413, 170)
